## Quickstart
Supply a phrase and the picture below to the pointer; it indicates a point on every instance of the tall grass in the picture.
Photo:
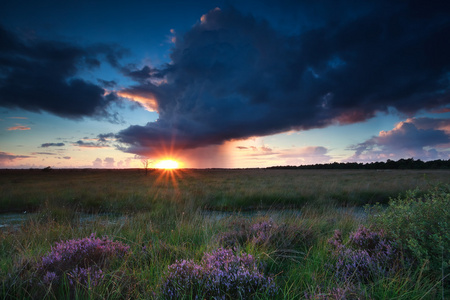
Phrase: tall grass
(130, 190)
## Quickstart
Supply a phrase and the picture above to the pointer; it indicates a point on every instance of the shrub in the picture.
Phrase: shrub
(81, 261)
(279, 238)
(220, 275)
(420, 223)
(367, 255)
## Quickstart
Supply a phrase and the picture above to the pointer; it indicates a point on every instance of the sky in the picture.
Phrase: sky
(222, 84)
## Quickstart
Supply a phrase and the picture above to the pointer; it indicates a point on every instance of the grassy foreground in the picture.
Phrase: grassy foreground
(165, 218)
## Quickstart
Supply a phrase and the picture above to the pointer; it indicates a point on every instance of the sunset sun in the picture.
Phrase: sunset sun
(167, 164)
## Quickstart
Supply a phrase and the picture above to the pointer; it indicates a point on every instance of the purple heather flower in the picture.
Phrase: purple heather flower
(80, 260)
(367, 255)
(218, 274)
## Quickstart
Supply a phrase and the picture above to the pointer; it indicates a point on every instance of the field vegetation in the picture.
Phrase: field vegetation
(225, 234)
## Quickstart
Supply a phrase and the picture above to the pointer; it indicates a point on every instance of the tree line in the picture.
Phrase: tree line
(400, 164)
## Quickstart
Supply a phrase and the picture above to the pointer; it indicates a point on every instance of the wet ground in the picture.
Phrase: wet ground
(15, 220)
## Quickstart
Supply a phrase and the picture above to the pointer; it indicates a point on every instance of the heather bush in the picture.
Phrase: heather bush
(367, 255)
(81, 261)
(219, 275)
(421, 224)
(266, 233)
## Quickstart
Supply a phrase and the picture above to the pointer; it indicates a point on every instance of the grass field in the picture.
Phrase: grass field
(130, 190)
(283, 218)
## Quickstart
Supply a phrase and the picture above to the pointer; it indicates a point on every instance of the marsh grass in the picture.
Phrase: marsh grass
(163, 223)
(130, 191)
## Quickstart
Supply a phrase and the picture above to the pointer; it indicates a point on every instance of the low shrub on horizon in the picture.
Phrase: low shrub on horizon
(219, 275)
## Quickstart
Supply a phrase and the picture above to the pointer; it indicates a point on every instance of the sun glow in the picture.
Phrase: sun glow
(167, 164)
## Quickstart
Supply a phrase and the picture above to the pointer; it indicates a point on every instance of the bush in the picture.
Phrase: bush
(367, 255)
(81, 261)
(220, 275)
(420, 223)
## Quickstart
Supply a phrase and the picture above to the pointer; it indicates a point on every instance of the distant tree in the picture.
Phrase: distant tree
(146, 163)
(47, 169)
(402, 164)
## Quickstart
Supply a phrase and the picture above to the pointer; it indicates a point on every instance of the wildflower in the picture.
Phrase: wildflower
(80, 260)
(367, 255)
(219, 273)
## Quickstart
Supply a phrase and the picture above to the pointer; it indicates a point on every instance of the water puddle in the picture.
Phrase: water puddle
(214, 215)
(15, 220)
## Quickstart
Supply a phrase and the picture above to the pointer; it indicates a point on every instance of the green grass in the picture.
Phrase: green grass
(130, 190)
(176, 222)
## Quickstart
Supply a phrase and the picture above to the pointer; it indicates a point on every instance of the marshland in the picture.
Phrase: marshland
(225, 234)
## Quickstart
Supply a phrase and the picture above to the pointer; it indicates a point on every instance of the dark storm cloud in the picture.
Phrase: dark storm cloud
(140, 75)
(233, 76)
(107, 83)
(39, 75)
(103, 137)
(45, 145)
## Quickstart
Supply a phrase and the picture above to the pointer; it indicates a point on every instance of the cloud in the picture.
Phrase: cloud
(108, 162)
(442, 110)
(5, 156)
(107, 83)
(43, 153)
(124, 164)
(46, 145)
(19, 127)
(305, 155)
(97, 163)
(430, 123)
(141, 97)
(41, 75)
(290, 156)
(420, 138)
(234, 76)
(257, 151)
(80, 143)
(104, 137)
